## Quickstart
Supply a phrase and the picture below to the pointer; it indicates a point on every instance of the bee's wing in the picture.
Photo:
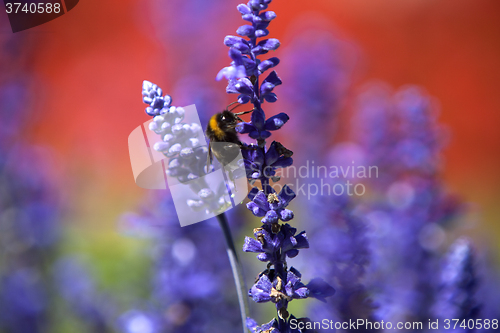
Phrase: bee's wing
(209, 155)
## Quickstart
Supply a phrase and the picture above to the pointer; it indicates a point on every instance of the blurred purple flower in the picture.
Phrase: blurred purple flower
(318, 67)
(190, 276)
(135, 321)
(77, 287)
(457, 293)
(23, 302)
(340, 252)
(399, 131)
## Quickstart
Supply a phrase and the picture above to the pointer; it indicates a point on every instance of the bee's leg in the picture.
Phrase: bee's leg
(246, 147)
(227, 107)
(240, 113)
(209, 158)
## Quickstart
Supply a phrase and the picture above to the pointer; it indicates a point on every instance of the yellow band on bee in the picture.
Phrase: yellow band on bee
(215, 127)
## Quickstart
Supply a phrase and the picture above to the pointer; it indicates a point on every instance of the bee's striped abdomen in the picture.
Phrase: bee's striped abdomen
(214, 127)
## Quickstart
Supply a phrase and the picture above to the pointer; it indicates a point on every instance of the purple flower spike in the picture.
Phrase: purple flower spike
(273, 242)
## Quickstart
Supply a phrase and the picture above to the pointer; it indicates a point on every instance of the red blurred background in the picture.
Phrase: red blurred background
(89, 67)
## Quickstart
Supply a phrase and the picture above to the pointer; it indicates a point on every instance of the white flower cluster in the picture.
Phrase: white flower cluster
(176, 136)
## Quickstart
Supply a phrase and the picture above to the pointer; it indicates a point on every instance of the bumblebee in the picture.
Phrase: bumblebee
(221, 130)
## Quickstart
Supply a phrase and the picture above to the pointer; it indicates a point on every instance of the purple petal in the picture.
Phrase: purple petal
(271, 217)
(252, 245)
(246, 30)
(243, 99)
(259, 135)
(259, 50)
(258, 156)
(292, 277)
(260, 200)
(266, 88)
(302, 242)
(268, 16)
(150, 111)
(272, 154)
(244, 9)
(231, 73)
(231, 40)
(286, 195)
(273, 78)
(283, 162)
(157, 103)
(258, 118)
(259, 296)
(267, 238)
(269, 63)
(268, 327)
(301, 293)
(243, 48)
(248, 17)
(269, 44)
(276, 122)
(244, 86)
(292, 253)
(250, 66)
(244, 128)
(253, 192)
(262, 33)
(236, 56)
(271, 98)
(286, 215)
(289, 243)
(258, 4)
(288, 230)
(251, 324)
(230, 89)
(264, 284)
(255, 209)
(264, 257)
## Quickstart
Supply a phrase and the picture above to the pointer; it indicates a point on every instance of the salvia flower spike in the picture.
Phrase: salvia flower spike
(273, 242)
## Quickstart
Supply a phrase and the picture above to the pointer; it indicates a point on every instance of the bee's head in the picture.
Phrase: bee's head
(227, 120)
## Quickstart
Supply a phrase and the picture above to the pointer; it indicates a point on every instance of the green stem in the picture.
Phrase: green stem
(241, 288)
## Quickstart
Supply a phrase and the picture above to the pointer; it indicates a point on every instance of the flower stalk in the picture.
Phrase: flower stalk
(273, 242)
